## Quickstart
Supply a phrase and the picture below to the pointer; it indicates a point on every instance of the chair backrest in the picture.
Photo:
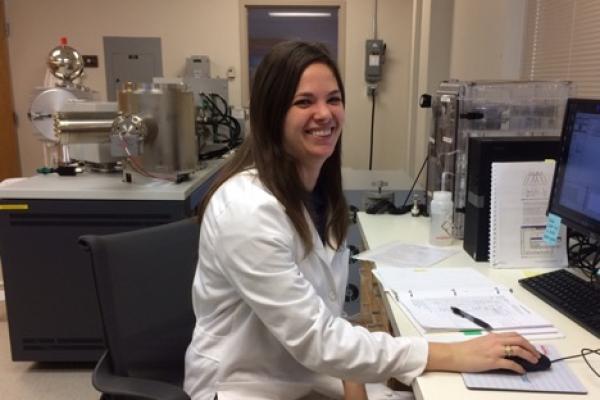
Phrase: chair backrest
(143, 283)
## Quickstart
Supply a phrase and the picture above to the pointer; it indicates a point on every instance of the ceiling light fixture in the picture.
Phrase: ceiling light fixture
(298, 14)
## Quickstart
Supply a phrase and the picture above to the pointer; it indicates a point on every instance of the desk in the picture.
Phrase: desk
(377, 230)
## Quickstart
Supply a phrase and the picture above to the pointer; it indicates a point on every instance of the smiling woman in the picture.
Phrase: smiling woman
(314, 122)
(273, 264)
(276, 105)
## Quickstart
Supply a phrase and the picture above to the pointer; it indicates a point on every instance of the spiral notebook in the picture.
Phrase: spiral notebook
(520, 192)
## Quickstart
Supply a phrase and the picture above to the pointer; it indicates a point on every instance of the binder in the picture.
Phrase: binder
(483, 151)
(427, 294)
(519, 197)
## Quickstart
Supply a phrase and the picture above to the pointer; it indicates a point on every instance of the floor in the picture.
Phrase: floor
(36, 381)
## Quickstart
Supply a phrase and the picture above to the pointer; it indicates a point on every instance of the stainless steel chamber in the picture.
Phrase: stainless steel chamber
(155, 131)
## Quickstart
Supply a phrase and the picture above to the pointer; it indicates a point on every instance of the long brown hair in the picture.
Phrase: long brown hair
(275, 83)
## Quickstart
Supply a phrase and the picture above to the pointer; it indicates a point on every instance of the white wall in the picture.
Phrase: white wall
(487, 39)
(486, 43)
(432, 45)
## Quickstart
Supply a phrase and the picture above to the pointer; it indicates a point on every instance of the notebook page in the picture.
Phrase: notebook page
(501, 311)
(427, 294)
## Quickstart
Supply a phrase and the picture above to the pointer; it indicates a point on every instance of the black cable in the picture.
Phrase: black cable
(415, 181)
(225, 104)
(209, 97)
(583, 254)
(225, 115)
(225, 118)
(584, 353)
(229, 121)
(372, 127)
(214, 107)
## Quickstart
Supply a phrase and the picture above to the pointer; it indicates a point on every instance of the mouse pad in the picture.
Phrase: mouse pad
(558, 379)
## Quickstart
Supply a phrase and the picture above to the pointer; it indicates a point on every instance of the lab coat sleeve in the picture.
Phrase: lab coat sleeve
(257, 258)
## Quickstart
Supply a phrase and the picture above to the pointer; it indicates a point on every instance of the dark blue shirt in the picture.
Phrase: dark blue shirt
(317, 208)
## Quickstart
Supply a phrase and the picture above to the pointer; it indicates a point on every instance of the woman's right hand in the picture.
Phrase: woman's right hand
(482, 354)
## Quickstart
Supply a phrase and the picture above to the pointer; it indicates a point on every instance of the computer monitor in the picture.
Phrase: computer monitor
(575, 195)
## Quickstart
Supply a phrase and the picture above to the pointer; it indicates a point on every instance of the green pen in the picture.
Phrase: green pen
(471, 332)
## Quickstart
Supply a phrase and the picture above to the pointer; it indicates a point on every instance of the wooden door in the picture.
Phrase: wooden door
(9, 152)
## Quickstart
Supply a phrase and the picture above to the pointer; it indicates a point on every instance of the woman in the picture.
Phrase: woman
(272, 268)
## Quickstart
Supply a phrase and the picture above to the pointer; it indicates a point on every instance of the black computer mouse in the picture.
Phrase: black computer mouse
(543, 363)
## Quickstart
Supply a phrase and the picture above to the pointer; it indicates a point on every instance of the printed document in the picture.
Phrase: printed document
(399, 254)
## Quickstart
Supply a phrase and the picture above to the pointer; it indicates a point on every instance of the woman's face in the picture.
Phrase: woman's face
(313, 123)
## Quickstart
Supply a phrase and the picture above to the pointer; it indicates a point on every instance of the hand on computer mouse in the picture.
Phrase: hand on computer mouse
(481, 354)
(543, 363)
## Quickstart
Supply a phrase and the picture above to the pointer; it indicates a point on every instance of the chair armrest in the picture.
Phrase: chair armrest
(105, 382)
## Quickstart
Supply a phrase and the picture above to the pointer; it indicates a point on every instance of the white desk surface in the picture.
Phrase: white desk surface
(100, 186)
(377, 230)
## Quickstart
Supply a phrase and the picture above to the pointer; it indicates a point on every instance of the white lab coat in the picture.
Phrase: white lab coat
(268, 317)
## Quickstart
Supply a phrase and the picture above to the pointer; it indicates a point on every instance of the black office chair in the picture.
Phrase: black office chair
(143, 283)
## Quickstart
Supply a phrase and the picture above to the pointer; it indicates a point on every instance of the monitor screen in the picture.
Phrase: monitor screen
(576, 189)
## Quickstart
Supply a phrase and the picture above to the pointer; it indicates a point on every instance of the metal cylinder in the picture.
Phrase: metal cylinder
(83, 125)
(169, 108)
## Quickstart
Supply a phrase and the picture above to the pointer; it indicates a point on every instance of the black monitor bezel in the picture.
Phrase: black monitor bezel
(572, 219)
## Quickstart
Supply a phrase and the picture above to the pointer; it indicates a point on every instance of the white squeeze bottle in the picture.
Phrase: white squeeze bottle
(440, 232)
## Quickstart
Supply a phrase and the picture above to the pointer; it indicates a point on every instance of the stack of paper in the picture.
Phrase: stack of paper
(427, 294)
(401, 254)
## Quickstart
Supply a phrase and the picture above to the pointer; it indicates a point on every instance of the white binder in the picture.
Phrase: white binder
(519, 200)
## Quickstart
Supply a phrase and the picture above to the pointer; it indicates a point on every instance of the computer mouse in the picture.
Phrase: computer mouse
(543, 363)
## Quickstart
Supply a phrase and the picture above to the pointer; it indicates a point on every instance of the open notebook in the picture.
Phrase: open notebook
(428, 293)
